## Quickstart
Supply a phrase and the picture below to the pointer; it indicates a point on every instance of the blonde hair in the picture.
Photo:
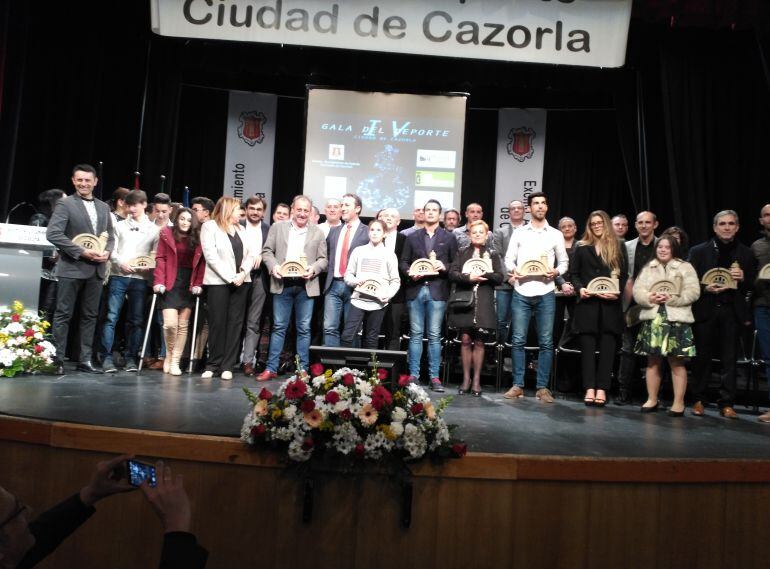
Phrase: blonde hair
(224, 210)
(610, 246)
(477, 223)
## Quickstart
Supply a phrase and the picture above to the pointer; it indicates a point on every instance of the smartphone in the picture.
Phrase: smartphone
(138, 472)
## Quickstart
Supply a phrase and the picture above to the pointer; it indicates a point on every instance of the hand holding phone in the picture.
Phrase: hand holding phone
(138, 472)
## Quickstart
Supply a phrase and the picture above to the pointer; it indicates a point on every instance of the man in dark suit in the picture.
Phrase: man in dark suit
(426, 296)
(395, 242)
(256, 234)
(340, 243)
(720, 313)
(80, 271)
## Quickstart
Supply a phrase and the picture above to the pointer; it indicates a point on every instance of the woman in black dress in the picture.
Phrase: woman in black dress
(173, 268)
(598, 317)
(479, 320)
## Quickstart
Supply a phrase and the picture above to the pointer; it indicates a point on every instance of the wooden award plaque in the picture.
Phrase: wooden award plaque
(764, 273)
(534, 268)
(666, 286)
(478, 265)
(720, 277)
(371, 287)
(91, 241)
(294, 269)
(425, 267)
(142, 263)
(603, 285)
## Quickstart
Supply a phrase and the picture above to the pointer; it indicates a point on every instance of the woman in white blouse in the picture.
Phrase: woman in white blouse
(228, 266)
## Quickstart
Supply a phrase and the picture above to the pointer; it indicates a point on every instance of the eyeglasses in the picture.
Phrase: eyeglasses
(596, 223)
(19, 508)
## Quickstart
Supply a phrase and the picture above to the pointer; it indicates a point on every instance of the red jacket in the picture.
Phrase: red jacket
(166, 262)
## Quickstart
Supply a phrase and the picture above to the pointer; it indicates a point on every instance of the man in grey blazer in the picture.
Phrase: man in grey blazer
(504, 292)
(640, 251)
(293, 240)
(80, 271)
(351, 233)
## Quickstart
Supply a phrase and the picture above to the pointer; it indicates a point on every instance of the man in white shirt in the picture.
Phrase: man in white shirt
(332, 211)
(135, 236)
(340, 244)
(256, 235)
(534, 294)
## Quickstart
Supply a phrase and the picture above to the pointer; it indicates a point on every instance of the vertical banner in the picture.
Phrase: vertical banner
(520, 153)
(250, 145)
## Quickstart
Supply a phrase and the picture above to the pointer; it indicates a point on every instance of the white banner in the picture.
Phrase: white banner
(250, 146)
(569, 32)
(520, 153)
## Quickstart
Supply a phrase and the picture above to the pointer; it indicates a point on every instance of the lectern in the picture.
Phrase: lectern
(21, 260)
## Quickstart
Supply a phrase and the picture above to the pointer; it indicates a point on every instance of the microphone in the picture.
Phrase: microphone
(17, 206)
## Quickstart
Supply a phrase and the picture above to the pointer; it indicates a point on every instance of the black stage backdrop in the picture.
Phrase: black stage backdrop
(74, 77)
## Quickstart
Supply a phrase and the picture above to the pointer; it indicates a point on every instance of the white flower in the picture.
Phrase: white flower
(398, 414)
(289, 412)
(296, 452)
(318, 381)
(6, 357)
(397, 428)
(364, 387)
(283, 434)
(414, 441)
(340, 406)
(14, 328)
(345, 438)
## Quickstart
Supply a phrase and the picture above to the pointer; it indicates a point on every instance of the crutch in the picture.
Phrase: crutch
(195, 330)
(147, 332)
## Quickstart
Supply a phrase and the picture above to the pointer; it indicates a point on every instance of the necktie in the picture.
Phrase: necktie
(344, 251)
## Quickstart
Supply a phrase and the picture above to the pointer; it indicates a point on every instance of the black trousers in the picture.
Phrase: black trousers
(393, 317)
(68, 291)
(227, 310)
(597, 376)
(723, 327)
(372, 323)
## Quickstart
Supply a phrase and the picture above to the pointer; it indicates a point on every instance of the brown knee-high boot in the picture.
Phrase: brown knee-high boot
(180, 341)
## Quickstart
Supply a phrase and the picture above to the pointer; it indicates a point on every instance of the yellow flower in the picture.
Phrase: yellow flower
(388, 432)
(399, 397)
(368, 414)
(17, 307)
(328, 373)
(327, 426)
(276, 414)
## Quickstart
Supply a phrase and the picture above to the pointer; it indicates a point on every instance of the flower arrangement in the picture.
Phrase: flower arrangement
(23, 344)
(347, 413)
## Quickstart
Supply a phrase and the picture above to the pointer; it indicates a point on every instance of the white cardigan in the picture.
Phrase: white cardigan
(220, 259)
(678, 308)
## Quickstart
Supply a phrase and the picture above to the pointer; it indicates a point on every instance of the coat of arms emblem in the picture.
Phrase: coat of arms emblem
(251, 129)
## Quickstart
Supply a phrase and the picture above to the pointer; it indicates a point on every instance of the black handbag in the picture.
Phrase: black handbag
(460, 300)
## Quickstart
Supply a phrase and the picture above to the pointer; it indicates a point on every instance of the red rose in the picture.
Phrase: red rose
(417, 408)
(14, 317)
(257, 431)
(382, 374)
(403, 380)
(381, 392)
(378, 403)
(307, 405)
(348, 379)
(332, 397)
(316, 369)
(295, 389)
(360, 450)
(265, 394)
(307, 444)
(38, 349)
(459, 450)
(346, 414)
(29, 332)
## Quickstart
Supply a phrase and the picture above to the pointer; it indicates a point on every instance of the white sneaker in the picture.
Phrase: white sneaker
(208, 374)
(227, 375)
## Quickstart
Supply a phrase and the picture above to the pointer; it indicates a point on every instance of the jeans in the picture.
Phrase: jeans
(543, 307)
(503, 300)
(423, 311)
(336, 306)
(762, 323)
(295, 297)
(135, 290)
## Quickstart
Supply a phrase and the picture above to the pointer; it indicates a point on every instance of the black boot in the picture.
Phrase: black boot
(623, 397)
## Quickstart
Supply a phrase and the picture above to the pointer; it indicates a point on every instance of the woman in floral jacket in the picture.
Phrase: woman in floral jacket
(666, 318)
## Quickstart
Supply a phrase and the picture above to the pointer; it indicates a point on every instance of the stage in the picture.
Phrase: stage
(542, 486)
(489, 424)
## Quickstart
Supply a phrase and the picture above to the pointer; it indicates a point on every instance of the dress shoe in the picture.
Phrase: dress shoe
(157, 364)
(476, 393)
(672, 413)
(698, 409)
(58, 367)
(461, 391)
(651, 409)
(266, 375)
(88, 367)
(623, 398)
(728, 412)
(248, 369)
(435, 385)
(544, 394)
(764, 418)
(514, 392)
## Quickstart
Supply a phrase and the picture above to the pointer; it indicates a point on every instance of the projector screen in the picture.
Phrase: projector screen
(392, 150)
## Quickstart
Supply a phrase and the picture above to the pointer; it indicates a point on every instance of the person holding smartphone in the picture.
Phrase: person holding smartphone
(25, 543)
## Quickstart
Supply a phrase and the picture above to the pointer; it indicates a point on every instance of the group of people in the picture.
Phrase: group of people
(359, 281)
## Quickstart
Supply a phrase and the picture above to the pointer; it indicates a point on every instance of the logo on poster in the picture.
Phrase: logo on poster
(251, 128)
(520, 143)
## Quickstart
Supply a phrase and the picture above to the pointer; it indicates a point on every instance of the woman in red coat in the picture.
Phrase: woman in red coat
(173, 280)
